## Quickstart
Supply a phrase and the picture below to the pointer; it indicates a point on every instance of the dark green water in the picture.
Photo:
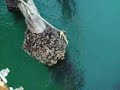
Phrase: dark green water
(93, 54)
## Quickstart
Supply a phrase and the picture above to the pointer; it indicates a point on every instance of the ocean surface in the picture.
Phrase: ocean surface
(93, 54)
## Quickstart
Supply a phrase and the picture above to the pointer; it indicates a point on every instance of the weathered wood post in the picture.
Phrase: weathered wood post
(42, 40)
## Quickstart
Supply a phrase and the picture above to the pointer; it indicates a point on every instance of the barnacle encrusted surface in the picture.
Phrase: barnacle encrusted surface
(48, 46)
(12, 5)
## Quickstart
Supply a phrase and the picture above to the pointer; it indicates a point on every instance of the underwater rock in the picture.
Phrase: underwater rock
(46, 47)
(12, 5)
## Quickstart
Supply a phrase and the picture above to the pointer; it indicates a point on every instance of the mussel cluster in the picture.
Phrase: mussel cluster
(48, 46)
(12, 5)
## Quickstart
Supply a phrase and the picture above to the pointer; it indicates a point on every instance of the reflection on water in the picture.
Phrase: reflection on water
(66, 74)
(68, 8)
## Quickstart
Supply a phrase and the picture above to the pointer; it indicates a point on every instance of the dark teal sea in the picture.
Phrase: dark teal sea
(93, 54)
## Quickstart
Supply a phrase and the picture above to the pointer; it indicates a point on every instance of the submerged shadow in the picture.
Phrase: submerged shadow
(18, 16)
(66, 75)
(68, 8)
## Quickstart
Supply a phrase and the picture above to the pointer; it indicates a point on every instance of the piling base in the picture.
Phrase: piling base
(47, 47)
